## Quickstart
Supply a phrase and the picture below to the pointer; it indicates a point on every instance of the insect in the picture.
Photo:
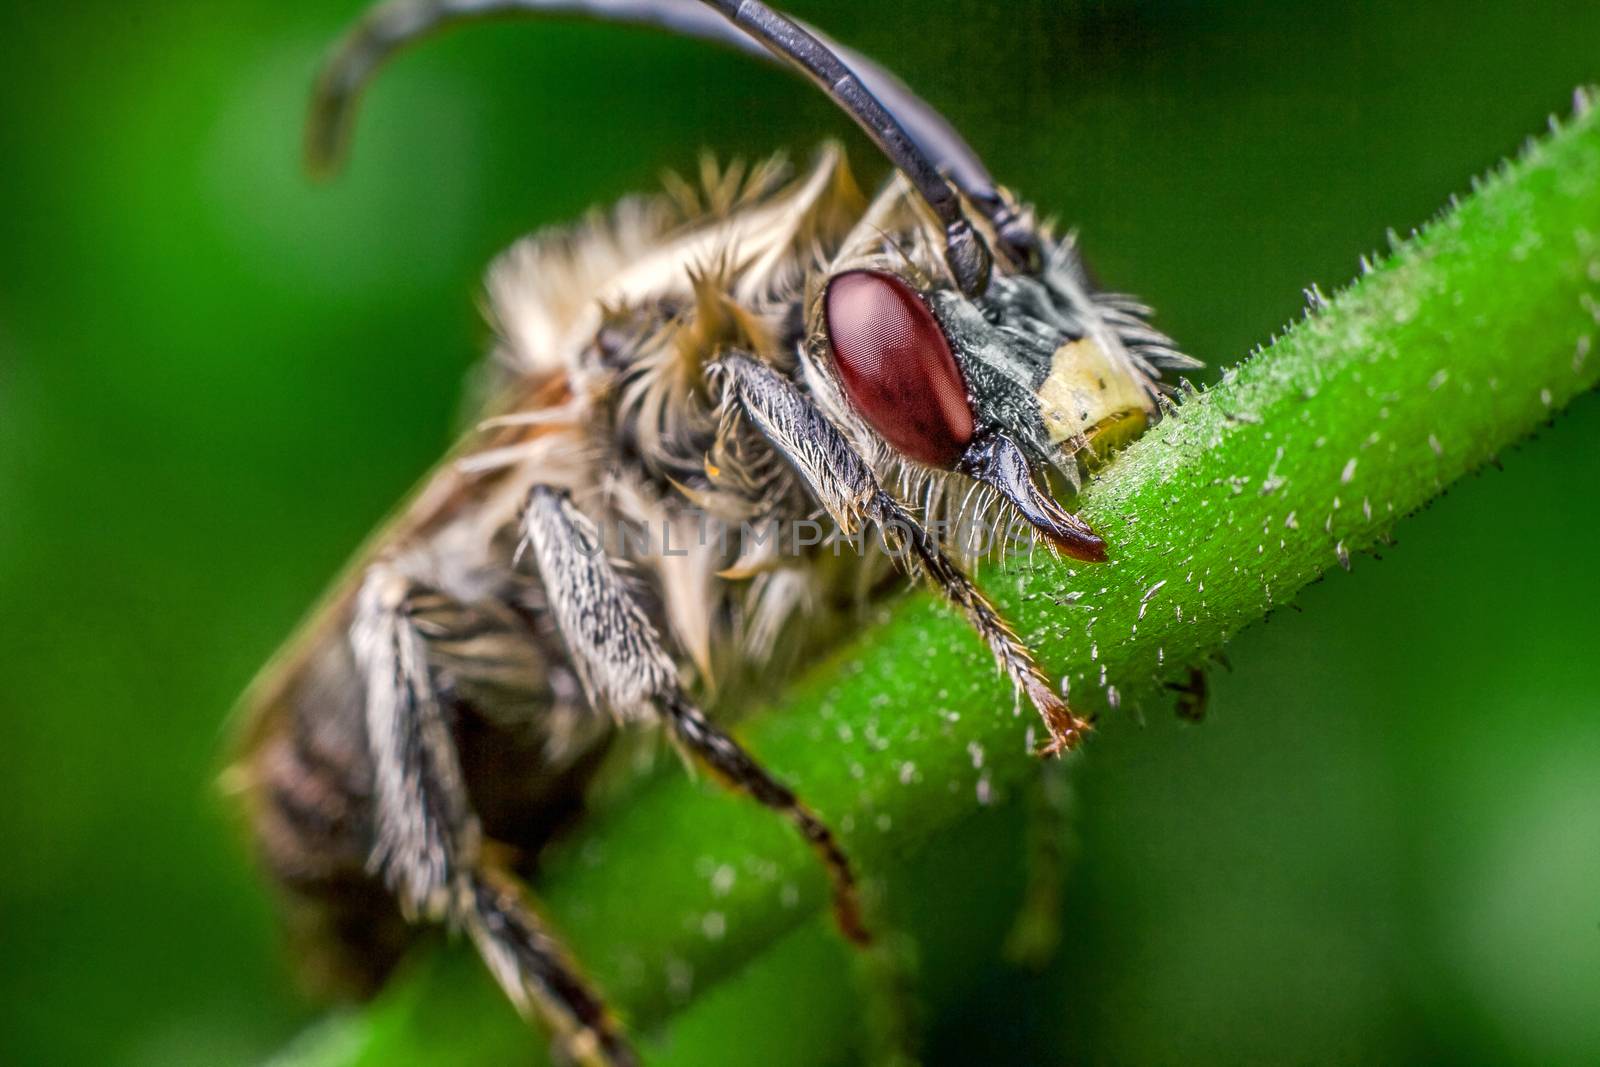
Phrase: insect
(769, 348)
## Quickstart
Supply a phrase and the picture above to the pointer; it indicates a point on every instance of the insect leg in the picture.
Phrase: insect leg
(428, 843)
(846, 487)
(1194, 694)
(620, 659)
(1036, 930)
(535, 972)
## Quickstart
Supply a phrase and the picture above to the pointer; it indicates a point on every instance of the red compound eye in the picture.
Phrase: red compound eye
(896, 366)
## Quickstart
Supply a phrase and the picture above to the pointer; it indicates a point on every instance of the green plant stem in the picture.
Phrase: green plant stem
(1465, 339)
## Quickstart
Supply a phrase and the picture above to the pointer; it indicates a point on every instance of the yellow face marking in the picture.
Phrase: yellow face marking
(1090, 398)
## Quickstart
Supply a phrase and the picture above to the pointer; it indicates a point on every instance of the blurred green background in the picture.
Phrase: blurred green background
(214, 378)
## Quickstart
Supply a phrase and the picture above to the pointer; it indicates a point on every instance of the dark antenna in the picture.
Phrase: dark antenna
(913, 136)
(964, 251)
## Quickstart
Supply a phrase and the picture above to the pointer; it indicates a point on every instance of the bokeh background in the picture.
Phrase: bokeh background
(215, 377)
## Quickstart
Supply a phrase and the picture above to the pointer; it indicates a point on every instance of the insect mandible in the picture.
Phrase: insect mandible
(770, 348)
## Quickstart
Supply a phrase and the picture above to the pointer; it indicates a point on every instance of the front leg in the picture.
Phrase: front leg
(845, 486)
(1194, 694)
(428, 846)
(625, 669)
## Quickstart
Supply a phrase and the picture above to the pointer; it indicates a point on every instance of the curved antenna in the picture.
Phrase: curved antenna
(964, 251)
(390, 27)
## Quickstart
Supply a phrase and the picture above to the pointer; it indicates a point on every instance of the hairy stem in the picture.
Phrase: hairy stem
(1463, 340)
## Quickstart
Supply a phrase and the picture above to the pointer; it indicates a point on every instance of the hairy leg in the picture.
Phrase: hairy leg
(428, 845)
(845, 486)
(621, 660)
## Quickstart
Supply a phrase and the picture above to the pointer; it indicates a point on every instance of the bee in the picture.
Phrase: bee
(772, 347)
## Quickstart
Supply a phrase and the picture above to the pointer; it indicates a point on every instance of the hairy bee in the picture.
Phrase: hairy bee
(768, 349)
